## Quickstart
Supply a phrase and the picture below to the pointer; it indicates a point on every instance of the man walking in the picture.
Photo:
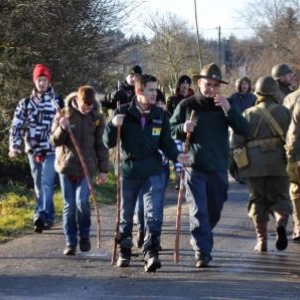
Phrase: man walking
(206, 179)
(144, 130)
(266, 174)
(32, 120)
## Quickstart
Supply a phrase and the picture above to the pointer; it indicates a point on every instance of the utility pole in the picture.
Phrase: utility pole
(198, 39)
(219, 45)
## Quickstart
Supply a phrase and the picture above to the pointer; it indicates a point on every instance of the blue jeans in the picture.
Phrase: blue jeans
(76, 212)
(139, 208)
(206, 193)
(43, 175)
(153, 190)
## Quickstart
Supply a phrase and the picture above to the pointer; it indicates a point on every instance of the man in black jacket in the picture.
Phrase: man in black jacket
(125, 91)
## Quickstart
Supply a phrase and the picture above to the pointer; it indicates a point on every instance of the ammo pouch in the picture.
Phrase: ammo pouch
(240, 157)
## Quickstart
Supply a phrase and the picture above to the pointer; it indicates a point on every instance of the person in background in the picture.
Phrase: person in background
(125, 92)
(206, 180)
(183, 90)
(242, 99)
(145, 130)
(284, 77)
(32, 122)
(82, 116)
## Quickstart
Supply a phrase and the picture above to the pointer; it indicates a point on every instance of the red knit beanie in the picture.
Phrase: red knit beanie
(41, 70)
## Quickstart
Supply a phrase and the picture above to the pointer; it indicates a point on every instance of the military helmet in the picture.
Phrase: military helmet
(280, 70)
(266, 86)
(211, 71)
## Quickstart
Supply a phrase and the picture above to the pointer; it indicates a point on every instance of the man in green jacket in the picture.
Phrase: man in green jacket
(206, 180)
(144, 129)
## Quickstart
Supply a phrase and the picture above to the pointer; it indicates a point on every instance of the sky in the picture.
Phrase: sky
(211, 15)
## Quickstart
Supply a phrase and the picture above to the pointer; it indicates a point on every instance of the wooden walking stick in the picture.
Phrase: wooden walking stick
(86, 174)
(118, 203)
(181, 194)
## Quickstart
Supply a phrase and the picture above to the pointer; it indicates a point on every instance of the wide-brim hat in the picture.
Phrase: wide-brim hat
(211, 71)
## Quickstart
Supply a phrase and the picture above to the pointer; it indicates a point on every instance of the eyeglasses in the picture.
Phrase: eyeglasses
(211, 85)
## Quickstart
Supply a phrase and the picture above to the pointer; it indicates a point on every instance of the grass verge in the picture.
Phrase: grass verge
(17, 205)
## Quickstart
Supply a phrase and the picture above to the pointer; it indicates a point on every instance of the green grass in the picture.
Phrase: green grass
(17, 205)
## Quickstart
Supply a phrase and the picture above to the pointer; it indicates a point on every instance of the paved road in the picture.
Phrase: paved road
(33, 267)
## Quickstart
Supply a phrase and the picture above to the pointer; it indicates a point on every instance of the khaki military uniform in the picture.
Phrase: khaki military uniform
(293, 153)
(266, 175)
(283, 92)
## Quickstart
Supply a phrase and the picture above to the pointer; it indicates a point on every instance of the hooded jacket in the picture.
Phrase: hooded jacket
(32, 121)
(88, 130)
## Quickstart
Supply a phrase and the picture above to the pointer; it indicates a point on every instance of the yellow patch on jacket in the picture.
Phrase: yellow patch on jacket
(156, 131)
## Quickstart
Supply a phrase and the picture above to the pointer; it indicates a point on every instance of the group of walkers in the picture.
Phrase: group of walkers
(256, 135)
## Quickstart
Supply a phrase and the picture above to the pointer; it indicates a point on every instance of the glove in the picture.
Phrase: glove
(292, 169)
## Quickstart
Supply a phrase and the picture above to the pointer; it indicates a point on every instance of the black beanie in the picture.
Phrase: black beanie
(184, 79)
(137, 70)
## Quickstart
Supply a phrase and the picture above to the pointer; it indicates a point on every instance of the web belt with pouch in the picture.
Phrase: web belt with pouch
(269, 143)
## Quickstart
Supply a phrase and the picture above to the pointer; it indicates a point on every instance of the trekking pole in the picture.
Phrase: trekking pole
(86, 174)
(118, 203)
(181, 194)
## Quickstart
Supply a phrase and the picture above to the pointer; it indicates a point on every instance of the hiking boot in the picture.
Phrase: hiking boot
(70, 250)
(202, 261)
(48, 225)
(140, 239)
(281, 240)
(85, 244)
(261, 229)
(124, 257)
(152, 261)
(296, 236)
(38, 225)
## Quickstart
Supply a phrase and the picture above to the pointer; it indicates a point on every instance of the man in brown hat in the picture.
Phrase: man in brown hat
(206, 179)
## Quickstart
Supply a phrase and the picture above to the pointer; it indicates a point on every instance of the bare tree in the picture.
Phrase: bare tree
(172, 48)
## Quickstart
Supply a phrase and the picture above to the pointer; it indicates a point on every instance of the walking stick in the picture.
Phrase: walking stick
(181, 194)
(118, 203)
(86, 174)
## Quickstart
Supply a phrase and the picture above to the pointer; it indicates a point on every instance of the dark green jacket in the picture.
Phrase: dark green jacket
(210, 139)
(139, 147)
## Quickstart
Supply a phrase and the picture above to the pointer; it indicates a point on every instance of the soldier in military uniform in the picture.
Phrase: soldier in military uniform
(284, 76)
(292, 144)
(265, 174)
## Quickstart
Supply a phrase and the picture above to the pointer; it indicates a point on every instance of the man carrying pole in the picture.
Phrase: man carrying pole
(206, 180)
(145, 129)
